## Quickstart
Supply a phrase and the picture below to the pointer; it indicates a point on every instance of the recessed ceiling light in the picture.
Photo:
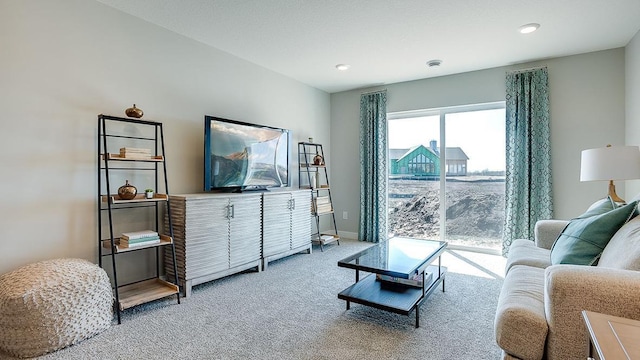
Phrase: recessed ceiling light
(528, 28)
(435, 62)
(343, 67)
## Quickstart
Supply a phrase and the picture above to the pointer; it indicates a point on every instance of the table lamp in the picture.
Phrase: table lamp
(610, 163)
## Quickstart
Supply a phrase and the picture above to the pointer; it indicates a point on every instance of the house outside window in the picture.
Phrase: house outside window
(425, 161)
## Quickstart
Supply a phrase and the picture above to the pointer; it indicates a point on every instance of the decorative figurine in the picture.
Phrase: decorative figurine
(317, 160)
(134, 112)
(127, 191)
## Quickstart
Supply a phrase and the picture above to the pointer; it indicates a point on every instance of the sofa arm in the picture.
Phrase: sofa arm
(546, 232)
(569, 289)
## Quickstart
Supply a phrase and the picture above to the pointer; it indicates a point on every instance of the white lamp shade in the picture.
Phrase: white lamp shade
(610, 163)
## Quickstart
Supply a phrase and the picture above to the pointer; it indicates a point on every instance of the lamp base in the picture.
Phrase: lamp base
(612, 193)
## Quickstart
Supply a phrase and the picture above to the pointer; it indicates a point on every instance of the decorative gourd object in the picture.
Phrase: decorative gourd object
(127, 191)
(134, 112)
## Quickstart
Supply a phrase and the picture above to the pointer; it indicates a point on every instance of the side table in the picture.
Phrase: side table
(612, 337)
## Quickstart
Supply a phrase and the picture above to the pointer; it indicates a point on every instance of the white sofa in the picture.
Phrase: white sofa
(539, 308)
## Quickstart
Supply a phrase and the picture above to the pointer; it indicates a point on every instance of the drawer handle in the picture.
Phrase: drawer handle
(230, 212)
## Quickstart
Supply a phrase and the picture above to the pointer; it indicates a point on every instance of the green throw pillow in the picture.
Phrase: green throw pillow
(584, 238)
(600, 207)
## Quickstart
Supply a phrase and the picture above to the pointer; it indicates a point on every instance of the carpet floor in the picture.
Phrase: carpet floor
(291, 311)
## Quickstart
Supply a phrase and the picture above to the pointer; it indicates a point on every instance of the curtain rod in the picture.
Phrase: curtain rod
(373, 92)
(527, 69)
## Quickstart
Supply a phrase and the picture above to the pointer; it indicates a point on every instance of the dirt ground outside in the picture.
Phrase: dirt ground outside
(474, 210)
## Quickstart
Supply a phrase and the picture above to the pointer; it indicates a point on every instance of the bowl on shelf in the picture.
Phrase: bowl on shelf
(127, 191)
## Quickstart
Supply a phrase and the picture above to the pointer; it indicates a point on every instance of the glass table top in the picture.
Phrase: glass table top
(397, 256)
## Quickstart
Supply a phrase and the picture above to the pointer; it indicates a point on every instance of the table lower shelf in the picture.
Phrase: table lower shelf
(400, 299)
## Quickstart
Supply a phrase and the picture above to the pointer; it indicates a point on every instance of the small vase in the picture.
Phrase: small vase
(312, 181)
(134, 112)
(127, 191)
(149, 194)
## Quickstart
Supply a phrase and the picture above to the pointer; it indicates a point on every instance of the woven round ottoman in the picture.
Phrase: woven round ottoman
(49, 305)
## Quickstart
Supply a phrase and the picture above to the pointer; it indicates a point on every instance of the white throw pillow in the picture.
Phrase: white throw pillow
(623, 250)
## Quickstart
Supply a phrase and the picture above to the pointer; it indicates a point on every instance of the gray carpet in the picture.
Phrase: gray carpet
(291, 311)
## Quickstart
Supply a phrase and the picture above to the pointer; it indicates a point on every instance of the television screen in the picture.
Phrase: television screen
(244, 156)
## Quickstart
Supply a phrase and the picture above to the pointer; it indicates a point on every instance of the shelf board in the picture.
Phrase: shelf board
(164, 240)
(309, 143)
(145, 291)
(324, 213)
(153, 158)
(312, 166)
(140, 198)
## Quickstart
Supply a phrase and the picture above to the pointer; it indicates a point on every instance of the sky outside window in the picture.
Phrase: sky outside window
(480, 134)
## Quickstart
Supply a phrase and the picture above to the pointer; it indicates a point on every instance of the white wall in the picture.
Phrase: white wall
(632, 103)
(587, 110)
(62, 63)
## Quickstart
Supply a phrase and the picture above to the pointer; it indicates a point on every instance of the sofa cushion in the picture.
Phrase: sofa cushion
(584, 238)
(547, 231)
(525, 252)
(520, 325)
(623, 251)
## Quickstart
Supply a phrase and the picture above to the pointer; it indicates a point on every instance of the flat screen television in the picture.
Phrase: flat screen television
(242, 156)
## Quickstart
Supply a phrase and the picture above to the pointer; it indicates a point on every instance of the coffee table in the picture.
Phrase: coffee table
(400, 275)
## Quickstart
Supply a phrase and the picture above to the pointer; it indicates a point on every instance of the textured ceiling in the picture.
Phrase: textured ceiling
(388, 41)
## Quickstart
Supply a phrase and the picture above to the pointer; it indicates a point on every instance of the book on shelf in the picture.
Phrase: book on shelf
(135, 153)
(324, 238)
(129, 150)
(129, 244)
(415, 281)
(324, 208)
(139, 234)
(139, 240)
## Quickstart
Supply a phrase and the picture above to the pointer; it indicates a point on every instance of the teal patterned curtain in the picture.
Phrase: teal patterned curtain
(528, 175)
(373, 167)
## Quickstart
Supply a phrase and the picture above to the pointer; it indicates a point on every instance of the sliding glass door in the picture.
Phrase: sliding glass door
(453, 156)
(414, 177)
(474, 185)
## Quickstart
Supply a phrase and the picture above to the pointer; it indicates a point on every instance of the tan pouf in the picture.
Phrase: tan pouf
(52, 304)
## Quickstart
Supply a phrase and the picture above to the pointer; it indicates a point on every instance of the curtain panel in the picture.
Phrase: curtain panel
(528, 196)
(373, 167)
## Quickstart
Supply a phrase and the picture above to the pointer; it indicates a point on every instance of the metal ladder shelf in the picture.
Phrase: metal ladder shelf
(313, 169)
(115, 130)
